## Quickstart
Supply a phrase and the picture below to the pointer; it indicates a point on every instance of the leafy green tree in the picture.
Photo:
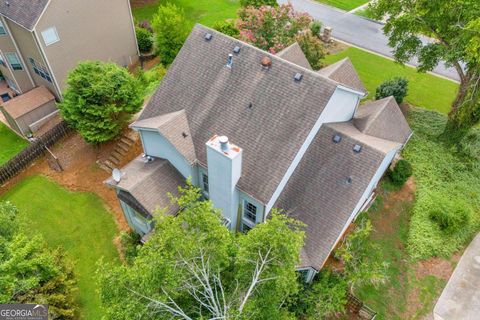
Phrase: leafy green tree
(100, 99)
(258, 3)
(171, 28)
(227, 27)
(455, 27)
(30, 272)
(193, 267)
(313, 49)
(400, 174)
(396, 87)
(144, 40)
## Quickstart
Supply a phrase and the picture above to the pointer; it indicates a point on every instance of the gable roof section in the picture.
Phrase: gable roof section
(23, 12)
(27, 102)
(294, 54)
(383, 119)
(149, 183)
(344, 72)
(239, 101)
(174, 127)
(318, 193)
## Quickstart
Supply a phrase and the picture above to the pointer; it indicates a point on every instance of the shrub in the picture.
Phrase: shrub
(396, 87)
(150, 79)
(171, 28)
(227, 27)
(130, 242)
(144, 40)
(145, 24)
(313, 49)
(258, 3)
(451, 214)
(100, 99)
(316, 28)
(400, 174)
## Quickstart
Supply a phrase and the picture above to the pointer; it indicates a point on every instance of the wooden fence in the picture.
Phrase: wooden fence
(33, 151)
(356, 306)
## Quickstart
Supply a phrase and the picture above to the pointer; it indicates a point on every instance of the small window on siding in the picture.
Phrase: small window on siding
(40, 69)
(50, 36)
(14, 60)
(2, 61)
(249, 211)
(205, 183)
(246, 228)
(3, 31)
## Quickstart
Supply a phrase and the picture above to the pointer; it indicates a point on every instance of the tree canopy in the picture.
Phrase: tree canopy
(193, 267)
(454, 28)
(100, 99)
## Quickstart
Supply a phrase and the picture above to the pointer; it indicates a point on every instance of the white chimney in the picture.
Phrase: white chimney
(224, 170)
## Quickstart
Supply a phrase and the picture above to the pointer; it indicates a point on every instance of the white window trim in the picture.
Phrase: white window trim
(244, 217)
(18, 59)
(54, 29)
(4, 29)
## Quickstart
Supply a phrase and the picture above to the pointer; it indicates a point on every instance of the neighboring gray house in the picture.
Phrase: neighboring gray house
(297, 140)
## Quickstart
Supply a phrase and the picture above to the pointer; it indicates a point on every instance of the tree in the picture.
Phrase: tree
(227, 27)
(271, 28)
(144, 40)
(396, 87)
(171, 28)
(455, 28)
(193, 267)
(32, 273)
(258, 3)
(100, 99)
(313, 49)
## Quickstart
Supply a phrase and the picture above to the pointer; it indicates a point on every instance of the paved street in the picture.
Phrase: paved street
(356, 30)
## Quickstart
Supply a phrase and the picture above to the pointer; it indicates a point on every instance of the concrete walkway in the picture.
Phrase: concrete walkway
(358, 31)
(460, 300)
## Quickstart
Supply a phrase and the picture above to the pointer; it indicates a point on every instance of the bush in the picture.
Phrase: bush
(144, 40)
(396, 87)
(145, 24)
(100, 100)
(227, 27)
(316, 28)
(450, 214)
(313, 49)
(258, 3)
(130, 242)
(400, 174)
(171, 28)
(150, 79)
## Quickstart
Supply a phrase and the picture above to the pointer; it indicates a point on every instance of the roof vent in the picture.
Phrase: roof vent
(223, 143)
(250, 106)
(298, 77)
(7, 3)
(337, 138)
(230, 60)
(208, 36)
(348, 180)
(184, 135)
(266, 62)
(357, 148)
(236, 49)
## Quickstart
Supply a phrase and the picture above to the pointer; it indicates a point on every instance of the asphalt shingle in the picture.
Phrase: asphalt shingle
(24, 12)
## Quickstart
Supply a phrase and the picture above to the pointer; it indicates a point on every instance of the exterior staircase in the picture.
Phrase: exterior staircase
(123, 146)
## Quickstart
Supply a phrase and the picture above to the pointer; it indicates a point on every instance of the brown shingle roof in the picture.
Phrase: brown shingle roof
(294, 54)
(174, 127)
(24, 12)
(150, 182)
(383, 119)
(318, 193)
(264, 111)
(28, 102)
(344, 72)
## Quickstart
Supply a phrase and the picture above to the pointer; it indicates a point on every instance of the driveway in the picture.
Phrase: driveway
(460, 300)
(357, 31)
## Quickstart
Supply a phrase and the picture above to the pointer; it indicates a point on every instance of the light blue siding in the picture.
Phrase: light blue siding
(135, 220)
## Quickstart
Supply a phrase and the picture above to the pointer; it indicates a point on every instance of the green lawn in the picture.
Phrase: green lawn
(10, 143)
(425, 90)
(76, 221)
(206, 12)
(346, 5)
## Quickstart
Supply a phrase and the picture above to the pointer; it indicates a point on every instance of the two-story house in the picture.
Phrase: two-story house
(42, 40)
(256, 131)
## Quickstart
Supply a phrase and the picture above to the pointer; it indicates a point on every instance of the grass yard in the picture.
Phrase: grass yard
(206, 12)
(76, 221)
(10, 143)
(346, 5)
(425, 90)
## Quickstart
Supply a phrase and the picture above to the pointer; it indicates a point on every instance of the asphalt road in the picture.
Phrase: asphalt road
(357, 31)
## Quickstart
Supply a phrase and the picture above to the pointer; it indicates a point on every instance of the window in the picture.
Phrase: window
(40, 69)
(246, 228)
(2, 61)
(249, 211)
(14, 61)
(50, 36)
(2, 29)
(205, 183)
